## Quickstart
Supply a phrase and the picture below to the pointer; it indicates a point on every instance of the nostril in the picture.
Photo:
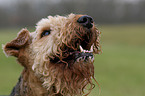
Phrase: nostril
(86, 21)
(83, 19)
(91, 20)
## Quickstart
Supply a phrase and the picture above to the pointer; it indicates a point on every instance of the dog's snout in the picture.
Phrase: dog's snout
(86, 21)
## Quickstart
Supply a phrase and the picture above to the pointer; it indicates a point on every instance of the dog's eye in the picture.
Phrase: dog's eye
(45, 33)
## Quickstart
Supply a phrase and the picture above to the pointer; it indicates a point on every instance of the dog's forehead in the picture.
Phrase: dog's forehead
(53, 21)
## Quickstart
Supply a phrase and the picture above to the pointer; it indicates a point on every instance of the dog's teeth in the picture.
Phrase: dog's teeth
(91, 49)
(86, 51)
(81, 49)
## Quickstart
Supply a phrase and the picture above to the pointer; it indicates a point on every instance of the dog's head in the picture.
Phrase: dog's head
(60, 52)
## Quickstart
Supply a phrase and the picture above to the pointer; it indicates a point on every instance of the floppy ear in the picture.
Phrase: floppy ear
(12, 48)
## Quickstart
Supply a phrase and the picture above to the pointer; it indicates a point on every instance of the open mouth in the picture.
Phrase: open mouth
(83, 52)
(84, 55)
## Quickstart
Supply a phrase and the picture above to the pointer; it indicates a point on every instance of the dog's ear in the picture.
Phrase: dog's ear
(12, 48)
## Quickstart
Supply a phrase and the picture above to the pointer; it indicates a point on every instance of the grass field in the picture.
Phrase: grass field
(120, 69)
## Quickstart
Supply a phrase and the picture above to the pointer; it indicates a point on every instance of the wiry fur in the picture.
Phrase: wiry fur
(67, 79)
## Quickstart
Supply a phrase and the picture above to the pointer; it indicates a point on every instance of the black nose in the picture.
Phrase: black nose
(86, 21)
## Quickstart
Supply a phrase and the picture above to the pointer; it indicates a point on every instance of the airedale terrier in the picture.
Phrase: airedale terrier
(57, 58)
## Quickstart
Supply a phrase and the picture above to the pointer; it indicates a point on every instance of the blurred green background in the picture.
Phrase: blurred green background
(120, 69)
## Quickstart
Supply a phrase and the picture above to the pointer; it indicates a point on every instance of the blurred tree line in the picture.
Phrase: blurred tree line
(26, 12)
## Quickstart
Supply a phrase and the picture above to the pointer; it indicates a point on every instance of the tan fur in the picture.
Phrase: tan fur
(40, 76)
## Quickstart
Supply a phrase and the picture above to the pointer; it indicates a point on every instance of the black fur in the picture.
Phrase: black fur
(16, 89)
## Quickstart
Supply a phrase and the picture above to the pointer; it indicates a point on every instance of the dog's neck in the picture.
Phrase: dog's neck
(29, 85)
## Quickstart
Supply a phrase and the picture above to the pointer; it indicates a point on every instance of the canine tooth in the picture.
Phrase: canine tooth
(91, 49)
(81, 49)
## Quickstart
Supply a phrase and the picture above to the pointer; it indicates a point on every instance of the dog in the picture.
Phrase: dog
(57, 58)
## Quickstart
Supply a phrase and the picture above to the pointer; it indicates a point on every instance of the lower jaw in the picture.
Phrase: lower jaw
(74, 57)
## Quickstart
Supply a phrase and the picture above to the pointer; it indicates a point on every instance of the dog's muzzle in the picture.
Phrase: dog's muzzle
(82, 50)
